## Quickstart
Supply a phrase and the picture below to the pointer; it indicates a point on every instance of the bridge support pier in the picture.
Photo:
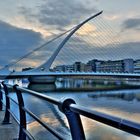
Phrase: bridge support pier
(42, 79)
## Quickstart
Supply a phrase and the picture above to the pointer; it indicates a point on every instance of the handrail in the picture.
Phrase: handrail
(22, 135)
(7, 113)
(0, 98)
(122, 124)
(54, 132)
(37, 94)
(72, 113)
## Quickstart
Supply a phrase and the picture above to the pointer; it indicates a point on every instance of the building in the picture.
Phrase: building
(137, 66)
(91, 65)
(60, 68)
(69, 68)
(79, 67)
(128, 65)
(109, 66)
(88, 68)
(26, 69)
(125, 65)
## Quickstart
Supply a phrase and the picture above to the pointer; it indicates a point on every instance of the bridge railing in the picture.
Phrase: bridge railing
(71, 110)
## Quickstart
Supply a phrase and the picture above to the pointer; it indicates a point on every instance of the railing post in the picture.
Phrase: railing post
(22, 135)
(0, 98)
(7, 113)
(74, 120)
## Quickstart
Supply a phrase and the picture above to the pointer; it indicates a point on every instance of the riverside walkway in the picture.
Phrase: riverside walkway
(68, 107)
(8, 131)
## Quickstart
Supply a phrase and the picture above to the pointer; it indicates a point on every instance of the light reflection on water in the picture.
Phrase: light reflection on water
(123, 103)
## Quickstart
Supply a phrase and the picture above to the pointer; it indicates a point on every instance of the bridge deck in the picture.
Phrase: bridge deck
(8, 131)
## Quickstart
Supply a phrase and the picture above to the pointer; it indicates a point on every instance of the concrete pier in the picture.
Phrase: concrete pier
(8, 131)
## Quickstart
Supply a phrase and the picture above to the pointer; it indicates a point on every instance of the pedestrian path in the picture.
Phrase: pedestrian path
(8, 131)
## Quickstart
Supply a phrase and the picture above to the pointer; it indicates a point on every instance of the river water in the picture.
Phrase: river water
(115, 98)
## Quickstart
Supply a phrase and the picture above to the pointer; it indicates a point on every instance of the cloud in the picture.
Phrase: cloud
(16, 42)
(132, 23)
(60, 14)
(111, 17)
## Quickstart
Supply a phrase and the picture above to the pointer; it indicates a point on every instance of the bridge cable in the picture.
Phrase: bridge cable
(100, 41)
(38, 48)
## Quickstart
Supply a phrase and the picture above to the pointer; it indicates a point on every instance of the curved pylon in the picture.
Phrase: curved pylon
(46, 66)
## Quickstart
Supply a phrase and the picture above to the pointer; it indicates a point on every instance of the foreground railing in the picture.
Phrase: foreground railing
(71, 110)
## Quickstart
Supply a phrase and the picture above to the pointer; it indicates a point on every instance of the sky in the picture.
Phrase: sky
(25, 25)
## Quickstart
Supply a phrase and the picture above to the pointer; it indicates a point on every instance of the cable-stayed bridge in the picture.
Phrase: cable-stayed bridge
(43, 71)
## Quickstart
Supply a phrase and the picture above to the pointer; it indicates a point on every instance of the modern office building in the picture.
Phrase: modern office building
(69, 68)
(137, 66)
(60, 68)
(26, 69)
(79, 67)
(128, 65)
(91, 65)
(125, 65)
(88, 68)
(109, 66)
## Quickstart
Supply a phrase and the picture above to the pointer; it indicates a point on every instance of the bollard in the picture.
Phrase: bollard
(74, 120)
(22, 135)
(7, 113)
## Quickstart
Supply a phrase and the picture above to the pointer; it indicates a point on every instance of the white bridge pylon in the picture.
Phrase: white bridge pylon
(46, 66)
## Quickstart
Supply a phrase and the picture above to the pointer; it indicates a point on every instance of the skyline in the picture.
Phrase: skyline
(31, 23)
(109, 63)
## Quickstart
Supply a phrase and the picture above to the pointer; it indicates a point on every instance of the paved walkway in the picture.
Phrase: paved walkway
(8, 131)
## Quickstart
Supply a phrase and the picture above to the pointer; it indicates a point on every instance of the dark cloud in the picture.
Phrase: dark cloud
(132, 23)
(28, 13)
(64, 13)
(15, 42)
(61, 13)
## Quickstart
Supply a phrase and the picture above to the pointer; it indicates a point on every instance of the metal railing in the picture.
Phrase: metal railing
(71, 110)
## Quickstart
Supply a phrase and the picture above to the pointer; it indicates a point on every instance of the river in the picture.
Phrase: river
(115, 98)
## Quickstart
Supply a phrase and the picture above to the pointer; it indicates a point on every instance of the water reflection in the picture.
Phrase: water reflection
(42, 87)
(123, 95)
(82, 85)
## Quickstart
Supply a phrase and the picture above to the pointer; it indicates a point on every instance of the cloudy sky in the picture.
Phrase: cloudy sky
(25, 25)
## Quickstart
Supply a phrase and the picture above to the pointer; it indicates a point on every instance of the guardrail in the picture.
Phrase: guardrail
(71, 110)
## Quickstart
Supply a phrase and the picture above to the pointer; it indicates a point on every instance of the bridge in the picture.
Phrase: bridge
(43, 71)
(68, 74)
(39, 71)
